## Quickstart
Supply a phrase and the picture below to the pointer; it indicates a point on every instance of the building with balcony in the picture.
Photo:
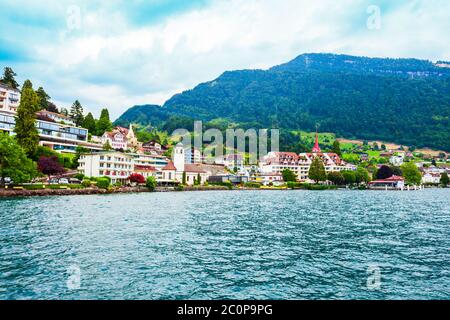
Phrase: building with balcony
(63, 138)
(112, 164)
(277, 162)
(9, 99)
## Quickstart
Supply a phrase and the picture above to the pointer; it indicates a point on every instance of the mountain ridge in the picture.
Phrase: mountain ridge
(401, 100)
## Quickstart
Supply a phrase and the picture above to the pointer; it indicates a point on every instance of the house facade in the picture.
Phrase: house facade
(277, 162)
(112, 164)
(121, 139)
(9, 99)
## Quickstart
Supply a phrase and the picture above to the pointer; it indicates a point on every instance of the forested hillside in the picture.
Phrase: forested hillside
(406, 101)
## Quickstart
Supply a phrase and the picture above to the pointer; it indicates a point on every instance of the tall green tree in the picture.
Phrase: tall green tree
(349, 177)
(337, 148)
(9, 78)
(362, 175)
(336, 178)
(89, 123)
(76, 113)
(411, 173)
(26, 132)
(104, 123)
(317, 171)
(289, 175)
(43, 99)
(14, 163)
(444, 179)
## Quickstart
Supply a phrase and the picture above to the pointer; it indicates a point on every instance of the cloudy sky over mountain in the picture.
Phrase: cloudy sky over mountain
(120, 53)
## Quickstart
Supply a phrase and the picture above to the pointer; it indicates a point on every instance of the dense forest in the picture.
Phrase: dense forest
(406, 101)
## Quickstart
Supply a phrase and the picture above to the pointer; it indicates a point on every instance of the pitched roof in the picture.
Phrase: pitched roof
(193, 168)
(169, 167)
(145, 168)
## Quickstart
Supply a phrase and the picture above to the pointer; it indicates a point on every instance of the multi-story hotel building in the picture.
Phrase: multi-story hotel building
(56, 131)
(277, 162)
(9, 99)
(115, 165)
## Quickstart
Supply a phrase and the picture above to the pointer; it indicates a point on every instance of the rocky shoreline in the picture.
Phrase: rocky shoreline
(13, 193)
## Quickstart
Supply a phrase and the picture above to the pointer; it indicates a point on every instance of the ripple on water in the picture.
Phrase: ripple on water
(231, 245)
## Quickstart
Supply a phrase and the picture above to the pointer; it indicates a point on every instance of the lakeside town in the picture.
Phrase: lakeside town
(44, 147)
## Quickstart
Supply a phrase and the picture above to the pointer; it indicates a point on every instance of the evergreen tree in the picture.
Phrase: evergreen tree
(9, 78)
(317, 170)
(89, 123)
(411, 173)
(14, 163)
(444, 179)
(43, 99)
(26, 133)
(104, 123)
(183, 180)
(337, 148)
(76, 113)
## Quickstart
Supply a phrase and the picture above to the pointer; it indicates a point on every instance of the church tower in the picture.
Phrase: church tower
(178, 157)
(316, 148)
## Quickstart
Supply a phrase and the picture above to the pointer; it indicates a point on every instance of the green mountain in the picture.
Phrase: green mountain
(406, 101)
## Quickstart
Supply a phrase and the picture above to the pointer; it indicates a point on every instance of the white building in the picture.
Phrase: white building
(174, 171)
(277, 162)
(9, 99)
(431, 178)
(115, 165)
(397, 160)
(232, 162)
(120, 138)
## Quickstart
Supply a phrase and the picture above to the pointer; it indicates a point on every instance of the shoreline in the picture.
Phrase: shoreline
(18, 193)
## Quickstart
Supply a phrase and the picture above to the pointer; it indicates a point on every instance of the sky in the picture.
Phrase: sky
(120, 53)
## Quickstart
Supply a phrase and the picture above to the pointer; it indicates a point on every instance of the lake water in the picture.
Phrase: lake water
(229, 245)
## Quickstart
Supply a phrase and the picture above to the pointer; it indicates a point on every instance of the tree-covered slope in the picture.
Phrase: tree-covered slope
(400, 100)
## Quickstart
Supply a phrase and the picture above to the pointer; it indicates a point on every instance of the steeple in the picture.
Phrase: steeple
(316, 148)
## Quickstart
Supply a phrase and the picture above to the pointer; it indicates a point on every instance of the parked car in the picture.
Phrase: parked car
(63, 181)
(53, 181)
(6, 181)
(74, 181)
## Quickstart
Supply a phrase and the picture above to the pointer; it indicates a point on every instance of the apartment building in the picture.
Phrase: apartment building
(115, 165)
(9, 99)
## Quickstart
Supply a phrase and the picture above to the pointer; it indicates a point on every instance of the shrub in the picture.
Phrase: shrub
(103, 183)
(179, 187)
(137, 178)
(86, 183)
(151, 183)
(79, 176)
(253, 185)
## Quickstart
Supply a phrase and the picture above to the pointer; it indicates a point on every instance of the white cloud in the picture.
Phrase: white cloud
(112, 62)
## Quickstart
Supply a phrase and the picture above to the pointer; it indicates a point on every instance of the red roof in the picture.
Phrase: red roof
(391, 179)
(144, 168)
(170, 167)
(193, 168)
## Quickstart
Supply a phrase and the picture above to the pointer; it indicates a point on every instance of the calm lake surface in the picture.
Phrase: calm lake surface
(229, 245)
